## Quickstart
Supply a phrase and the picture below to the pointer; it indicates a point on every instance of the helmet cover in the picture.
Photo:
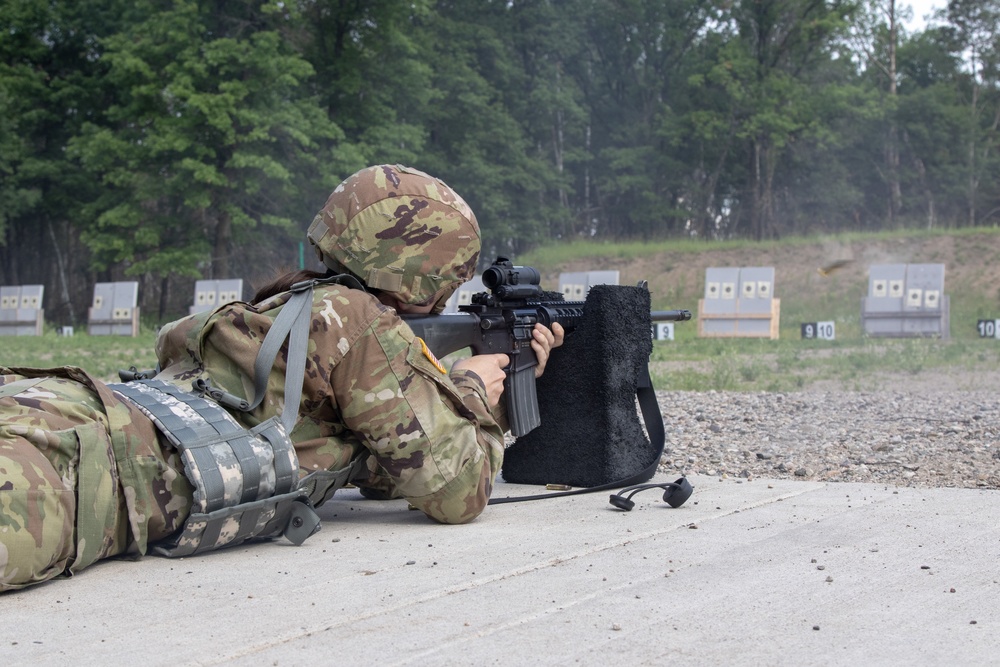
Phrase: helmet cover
(401, 231)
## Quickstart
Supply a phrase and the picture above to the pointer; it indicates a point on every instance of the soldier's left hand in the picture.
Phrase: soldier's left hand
(545, 340)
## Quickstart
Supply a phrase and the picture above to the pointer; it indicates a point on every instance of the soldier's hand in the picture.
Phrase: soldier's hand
(489, 368)
(545, 340)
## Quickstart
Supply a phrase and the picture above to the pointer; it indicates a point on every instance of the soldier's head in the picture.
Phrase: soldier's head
(401, 232)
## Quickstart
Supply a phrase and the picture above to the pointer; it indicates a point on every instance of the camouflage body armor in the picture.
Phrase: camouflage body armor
(246, 482)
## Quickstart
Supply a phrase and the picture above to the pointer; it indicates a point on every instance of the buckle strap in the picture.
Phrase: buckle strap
(203, 387)
(290, 515)
(292, 323)
(320, 485)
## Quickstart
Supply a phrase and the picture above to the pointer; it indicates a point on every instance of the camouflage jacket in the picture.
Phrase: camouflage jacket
(369, 384)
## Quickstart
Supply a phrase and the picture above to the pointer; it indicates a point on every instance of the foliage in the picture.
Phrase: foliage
(169, 141)
(201, 141)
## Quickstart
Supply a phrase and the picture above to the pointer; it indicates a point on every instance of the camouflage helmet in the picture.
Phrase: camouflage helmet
(401, 231)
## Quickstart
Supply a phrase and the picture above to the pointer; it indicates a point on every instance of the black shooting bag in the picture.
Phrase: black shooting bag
(591, 433)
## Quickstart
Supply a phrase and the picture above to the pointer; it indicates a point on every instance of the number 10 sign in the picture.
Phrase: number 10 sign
(988, 328)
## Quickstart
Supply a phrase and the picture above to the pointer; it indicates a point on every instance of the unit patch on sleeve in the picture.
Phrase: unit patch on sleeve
(430, 356)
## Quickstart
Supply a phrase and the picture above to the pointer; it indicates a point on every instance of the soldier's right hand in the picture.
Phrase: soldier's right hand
(489, 368)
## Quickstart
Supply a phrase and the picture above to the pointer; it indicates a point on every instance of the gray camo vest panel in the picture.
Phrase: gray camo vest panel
(245, 481)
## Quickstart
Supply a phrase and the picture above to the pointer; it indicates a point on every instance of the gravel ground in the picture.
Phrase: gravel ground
(914, 438)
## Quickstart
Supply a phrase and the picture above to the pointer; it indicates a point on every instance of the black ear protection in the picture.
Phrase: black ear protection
(674, 493)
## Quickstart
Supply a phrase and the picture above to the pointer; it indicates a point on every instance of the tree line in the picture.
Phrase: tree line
(169, 140)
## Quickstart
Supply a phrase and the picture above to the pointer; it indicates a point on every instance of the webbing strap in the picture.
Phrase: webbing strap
(320, 485)
(292, 323)
(653, 419)
(245, 481)
(298, 346)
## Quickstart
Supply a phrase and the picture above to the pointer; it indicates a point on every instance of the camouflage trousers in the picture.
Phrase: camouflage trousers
(83, 476)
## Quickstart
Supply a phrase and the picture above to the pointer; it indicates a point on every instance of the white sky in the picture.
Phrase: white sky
(921, 8)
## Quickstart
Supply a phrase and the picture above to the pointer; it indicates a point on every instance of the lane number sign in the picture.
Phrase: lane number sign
(663, 330)
(818, 330)
(988, 328)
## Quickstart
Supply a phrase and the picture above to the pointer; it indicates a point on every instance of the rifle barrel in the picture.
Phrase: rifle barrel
(670, 315)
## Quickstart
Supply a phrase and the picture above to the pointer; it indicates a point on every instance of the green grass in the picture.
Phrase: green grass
(795, 364)
(687, 363)
(101, 356)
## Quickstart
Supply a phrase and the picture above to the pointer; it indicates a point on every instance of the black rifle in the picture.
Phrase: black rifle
(501, 322)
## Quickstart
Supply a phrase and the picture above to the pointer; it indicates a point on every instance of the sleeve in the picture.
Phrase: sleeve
(431, 433)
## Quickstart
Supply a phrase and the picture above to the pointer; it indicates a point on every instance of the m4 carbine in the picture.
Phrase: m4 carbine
(501, 322)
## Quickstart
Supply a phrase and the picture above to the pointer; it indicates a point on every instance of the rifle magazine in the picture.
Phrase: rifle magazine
(522, 402)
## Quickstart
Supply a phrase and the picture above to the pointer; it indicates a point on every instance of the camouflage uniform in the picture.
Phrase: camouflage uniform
(85, 476)
(369, 385)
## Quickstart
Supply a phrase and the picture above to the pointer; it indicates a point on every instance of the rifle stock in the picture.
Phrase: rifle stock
(501, 322)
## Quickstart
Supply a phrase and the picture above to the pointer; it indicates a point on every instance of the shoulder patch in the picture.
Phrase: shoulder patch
(430, 356)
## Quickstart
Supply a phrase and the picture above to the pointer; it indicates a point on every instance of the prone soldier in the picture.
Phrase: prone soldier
(259, 411)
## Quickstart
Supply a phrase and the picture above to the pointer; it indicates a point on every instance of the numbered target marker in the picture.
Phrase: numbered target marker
(988, 328)
(818, 330)
(662, 330)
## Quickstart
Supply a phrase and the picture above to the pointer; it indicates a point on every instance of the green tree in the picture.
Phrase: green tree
(633, 73)
(50, 63)
(876, 34)
(767, 70)
(206, 141)
(372, 77)
(932, 120)
(977, 23)
(546, 38)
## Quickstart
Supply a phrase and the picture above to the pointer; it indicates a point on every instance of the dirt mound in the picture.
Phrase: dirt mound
(677, 279)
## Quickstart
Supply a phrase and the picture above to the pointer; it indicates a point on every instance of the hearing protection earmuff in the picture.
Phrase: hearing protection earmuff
(674, 493)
